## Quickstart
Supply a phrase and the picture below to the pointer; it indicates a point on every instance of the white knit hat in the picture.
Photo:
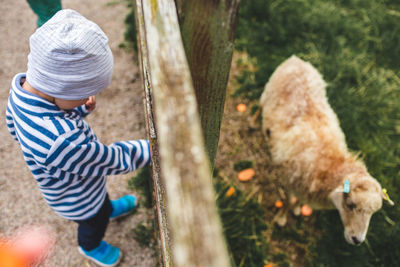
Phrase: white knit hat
(70, 58)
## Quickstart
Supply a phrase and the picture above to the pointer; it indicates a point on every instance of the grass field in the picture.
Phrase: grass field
(355, 45)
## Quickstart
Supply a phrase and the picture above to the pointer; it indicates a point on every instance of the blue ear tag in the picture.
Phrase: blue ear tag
(346, 188)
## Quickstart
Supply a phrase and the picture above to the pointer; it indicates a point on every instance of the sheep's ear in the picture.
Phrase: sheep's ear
(337, 197)
(385, 196)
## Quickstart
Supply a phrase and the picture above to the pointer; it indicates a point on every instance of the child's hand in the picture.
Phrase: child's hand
(91, 103)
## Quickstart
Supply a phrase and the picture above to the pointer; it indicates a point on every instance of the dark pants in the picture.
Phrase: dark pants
(91, 231)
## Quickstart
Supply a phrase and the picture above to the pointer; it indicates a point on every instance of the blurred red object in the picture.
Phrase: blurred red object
(9, 257)
(30, 245)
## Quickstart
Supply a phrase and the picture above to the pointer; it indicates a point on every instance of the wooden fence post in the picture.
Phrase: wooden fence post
(208, 28)
(193, 222)
(158, 187)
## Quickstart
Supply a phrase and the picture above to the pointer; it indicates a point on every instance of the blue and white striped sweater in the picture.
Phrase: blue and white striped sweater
(68, 162)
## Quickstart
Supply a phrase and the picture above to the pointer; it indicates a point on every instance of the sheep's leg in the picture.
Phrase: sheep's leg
(297, 210)
(295, 204)
(281, 217)
(254, 119)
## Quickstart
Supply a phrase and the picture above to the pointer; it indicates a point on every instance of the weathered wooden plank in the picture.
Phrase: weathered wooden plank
(208, 28)
(195, 226)
(158, 187)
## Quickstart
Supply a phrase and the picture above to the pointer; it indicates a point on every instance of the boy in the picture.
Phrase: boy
(70, 62)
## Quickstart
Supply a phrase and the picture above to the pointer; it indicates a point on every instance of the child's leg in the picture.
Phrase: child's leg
(91, 231)
(90, 238)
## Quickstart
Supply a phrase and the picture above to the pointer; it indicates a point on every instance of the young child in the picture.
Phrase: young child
(70, 62)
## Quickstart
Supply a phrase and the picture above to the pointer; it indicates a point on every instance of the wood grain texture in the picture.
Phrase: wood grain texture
(194, 224)
(208, 28)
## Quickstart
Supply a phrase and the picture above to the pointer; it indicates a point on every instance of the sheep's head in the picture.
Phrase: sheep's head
(357, 206)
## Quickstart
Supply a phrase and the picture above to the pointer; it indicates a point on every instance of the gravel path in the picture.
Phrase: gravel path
(119, 116)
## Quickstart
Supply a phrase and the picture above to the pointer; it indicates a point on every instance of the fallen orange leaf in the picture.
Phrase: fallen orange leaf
(241, 107)
(230, 192)
(246, 175)
(306, 210)
(278, 204)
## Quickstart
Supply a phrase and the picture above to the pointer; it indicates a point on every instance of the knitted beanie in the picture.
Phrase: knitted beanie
(69, 57)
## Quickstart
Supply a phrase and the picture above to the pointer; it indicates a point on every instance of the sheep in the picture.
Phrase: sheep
(305, 139)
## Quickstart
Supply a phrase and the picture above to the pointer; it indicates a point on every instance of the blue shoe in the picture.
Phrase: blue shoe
(122, 206)
(104, 255)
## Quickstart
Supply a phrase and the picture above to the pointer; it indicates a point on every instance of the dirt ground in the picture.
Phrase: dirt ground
(119, 116)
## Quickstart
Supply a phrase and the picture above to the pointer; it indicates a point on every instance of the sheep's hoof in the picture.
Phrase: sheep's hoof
(297, 210)
(281, 219)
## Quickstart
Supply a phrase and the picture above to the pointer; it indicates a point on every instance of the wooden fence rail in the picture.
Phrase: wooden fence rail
(190, 230)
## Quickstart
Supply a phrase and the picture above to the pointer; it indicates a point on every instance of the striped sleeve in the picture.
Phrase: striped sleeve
(10, 124)
(82, 110)
(77, 155)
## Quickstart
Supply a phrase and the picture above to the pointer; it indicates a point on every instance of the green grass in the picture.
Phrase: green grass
(242, 220)
(243, 223)
(130, 27)
(242, 165)
(355, 45)
(142, 182)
